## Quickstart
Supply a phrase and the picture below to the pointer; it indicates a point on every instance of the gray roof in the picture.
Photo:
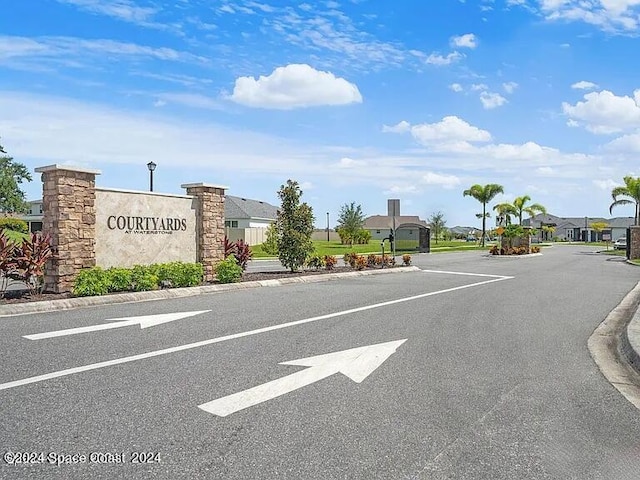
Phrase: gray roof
(238, 207)
(377, 222)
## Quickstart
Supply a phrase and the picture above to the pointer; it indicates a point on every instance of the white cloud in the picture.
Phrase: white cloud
(440, 60)
(347, 162)
(468, 40)
(607, 185)
(609, 15)
(510, 87)
(445, 181)
(449, 130)
(625, 144)
(492, 100)
(478, 87)
(545, 171)
(584, 85)
(192, 100)
(295, 86)
(456, 87)
(70, 49)
(605, 113)
(401, 190)
(306, 186)
(124, 10)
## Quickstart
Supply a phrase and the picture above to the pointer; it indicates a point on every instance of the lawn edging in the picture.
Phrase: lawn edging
(79, 302)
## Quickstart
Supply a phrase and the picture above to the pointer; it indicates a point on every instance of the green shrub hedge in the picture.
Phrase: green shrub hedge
(98, 281)
(228, 270)
(15, 224)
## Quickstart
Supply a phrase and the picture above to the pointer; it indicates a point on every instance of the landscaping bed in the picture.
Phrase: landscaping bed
(23, 295)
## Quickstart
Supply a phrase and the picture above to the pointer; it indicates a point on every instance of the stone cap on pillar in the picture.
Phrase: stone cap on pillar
(204, 186)
(69, 168)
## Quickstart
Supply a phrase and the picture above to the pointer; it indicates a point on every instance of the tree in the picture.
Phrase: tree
(505, 210)
(270, 244)
(484, 194)
(437, 223)
(350, 222)
(12, 174)
(598, 227)
(548, 230)
(631, 189)
(294, 226)
(520, 207)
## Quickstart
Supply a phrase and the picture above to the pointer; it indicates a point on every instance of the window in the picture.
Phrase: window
(40, 208)
(410, 232)
(231, 223)
(377, 232)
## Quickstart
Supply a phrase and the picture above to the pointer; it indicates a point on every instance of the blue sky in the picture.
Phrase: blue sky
(357, 100)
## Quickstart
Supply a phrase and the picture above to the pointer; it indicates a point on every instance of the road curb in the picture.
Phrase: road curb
(79, 302)
(616, 350)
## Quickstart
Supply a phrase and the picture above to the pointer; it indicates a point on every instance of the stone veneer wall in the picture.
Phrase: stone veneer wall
(635, 243)
(210, 224)
(69, 217)
(69, 211)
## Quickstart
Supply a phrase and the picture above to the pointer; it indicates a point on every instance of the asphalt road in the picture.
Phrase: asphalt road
(494, 380)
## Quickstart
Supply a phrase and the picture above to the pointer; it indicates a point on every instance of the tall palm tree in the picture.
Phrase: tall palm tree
(631, 189)
(520, 207)
(484, 194)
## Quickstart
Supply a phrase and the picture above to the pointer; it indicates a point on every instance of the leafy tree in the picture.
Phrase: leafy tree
(484, 194)
(294, 227)
(599, 226)
(12, 174)
(505, 210)
(350, 221)
(270, 245)
(549, 230)
(438, 224)
(631, 189)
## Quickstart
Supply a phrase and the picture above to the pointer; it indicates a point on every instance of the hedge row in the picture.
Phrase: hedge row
(98, 281)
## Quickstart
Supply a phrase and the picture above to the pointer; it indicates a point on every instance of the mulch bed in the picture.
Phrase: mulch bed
(22, 296)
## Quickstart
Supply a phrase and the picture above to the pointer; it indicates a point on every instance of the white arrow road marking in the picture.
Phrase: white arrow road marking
(233, 336)
(356, 363)
(144, 322)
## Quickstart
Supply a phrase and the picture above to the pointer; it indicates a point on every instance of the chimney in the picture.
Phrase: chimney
(393, 207)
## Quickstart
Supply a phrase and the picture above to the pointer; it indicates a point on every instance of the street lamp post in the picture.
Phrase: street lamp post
(151, 166)
(327, 226)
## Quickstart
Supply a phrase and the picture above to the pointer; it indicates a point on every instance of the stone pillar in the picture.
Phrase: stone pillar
(209, 224)
(68, 204)
(634, 242)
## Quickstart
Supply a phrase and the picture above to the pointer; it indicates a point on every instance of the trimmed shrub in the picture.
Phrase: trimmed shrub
(535, 249)
(14, 224)
(92, 281)
(143, 278)
(330, 262)
(178, 274)
(406, 259)
(228, 270)
(315, 262)
(360, 262)
(349, 258)
(119, 279)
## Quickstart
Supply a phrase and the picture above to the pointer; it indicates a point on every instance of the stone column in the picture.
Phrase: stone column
(68, 204)
(634, 242)
(209, 224)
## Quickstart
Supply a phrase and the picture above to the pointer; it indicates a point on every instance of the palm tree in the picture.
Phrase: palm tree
(520, 207)
(484, 194)
(631, 189)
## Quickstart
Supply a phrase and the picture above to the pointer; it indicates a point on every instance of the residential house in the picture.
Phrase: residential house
(578, 229)
(33, 216)
(410, 230)
(246, 213)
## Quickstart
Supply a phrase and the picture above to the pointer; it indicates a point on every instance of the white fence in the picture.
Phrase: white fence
(252, 236)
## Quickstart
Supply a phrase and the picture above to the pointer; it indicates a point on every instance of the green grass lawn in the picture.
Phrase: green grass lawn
(322, 247)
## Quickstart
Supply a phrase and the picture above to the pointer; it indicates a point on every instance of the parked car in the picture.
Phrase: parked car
(620, 244)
